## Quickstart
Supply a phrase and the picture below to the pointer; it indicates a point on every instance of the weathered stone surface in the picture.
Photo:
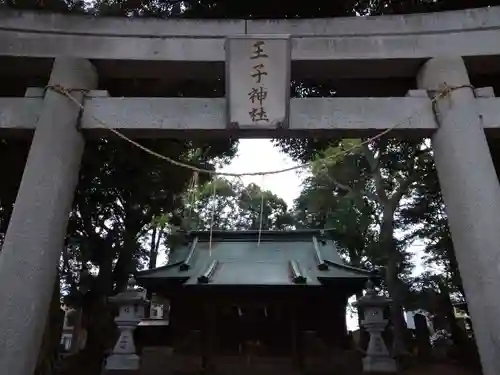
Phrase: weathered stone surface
(471, 193)
(20, 113)
(417, 36)
(144, 117)
(179, 116)
(166, 117)
(37, 228)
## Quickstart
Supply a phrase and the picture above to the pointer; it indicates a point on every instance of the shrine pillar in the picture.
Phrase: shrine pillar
(37, 228)
(471, 193)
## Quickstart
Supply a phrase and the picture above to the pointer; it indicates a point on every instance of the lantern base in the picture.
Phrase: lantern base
(379, 364)
(122, 362)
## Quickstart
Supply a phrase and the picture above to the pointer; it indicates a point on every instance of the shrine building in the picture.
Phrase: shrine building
(243, 300)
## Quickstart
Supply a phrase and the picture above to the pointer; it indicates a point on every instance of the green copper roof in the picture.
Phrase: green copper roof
(237, 258)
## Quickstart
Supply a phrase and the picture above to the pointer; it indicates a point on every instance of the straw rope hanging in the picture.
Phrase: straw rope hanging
(261, 216)
(212, 217)
(191, 198)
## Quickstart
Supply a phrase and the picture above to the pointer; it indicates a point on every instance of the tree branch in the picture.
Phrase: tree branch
(377, 175)
(357, 195)
(341, 186)
(403, 187)
(404, 184)
(372, 196)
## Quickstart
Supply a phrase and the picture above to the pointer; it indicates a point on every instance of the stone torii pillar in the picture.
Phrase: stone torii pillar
(471, 192)
(37, 228)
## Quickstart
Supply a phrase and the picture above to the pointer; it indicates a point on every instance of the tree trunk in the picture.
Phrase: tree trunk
(125, 264)
(393, 283)
(153, 252)
(153, 256)
(396, 308)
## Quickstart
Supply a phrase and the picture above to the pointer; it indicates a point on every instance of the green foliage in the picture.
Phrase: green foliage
(426, 287)
(354, 193)
(253, 9)
(223, 204)
(359, 198)
(230, 205)
(350, 222)
(335, 155)
(427, 217)
(121, 191)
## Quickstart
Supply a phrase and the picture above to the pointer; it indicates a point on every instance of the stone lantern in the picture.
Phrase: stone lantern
(377, 357)
(131, 304)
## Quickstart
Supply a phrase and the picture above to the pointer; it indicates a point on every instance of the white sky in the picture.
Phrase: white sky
(255, 155)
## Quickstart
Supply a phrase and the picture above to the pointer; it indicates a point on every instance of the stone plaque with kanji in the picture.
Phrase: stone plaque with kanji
(258, 81)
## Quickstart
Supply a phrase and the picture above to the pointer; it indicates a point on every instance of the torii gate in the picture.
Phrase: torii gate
(430, 48)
